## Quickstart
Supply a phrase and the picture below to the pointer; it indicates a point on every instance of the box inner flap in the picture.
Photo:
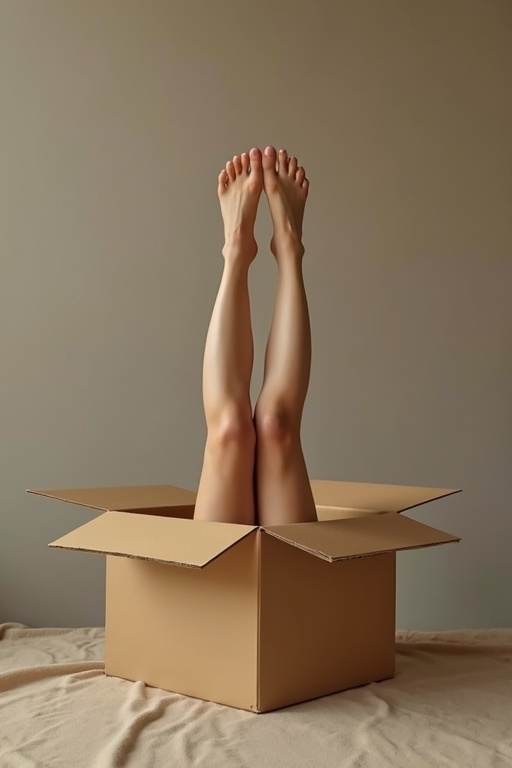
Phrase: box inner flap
(192, 543)
(373, 497)
(360, 536)
(124, 497)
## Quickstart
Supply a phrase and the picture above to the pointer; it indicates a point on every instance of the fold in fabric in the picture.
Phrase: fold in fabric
(450, 704)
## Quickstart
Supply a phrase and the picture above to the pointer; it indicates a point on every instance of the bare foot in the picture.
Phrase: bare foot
(286, 189)
(240, 186)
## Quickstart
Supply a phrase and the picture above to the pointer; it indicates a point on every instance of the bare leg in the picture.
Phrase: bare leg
(226, 490)
(282, 485)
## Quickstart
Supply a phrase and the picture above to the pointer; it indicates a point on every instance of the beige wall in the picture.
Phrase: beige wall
(116, 118)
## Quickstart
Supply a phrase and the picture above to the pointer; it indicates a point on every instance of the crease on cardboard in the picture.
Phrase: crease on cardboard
(257, 708)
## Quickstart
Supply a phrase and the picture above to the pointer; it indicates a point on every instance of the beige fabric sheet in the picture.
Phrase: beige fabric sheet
(449, 705)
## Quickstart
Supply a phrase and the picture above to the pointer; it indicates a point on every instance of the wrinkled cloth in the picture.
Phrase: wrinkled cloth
(449, 705)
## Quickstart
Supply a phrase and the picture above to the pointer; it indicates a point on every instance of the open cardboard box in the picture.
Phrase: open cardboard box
(252, 617)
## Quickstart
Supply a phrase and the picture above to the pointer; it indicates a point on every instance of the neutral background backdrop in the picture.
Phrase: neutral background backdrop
(116, 119)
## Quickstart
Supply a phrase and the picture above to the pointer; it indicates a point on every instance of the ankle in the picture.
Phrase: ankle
(288, 247)
(240, 247)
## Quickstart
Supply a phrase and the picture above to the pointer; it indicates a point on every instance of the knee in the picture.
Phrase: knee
(233, 430)
(274, 428)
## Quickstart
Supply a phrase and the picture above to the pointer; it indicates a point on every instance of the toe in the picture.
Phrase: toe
(292, 166)
(305, 186)
(223, 180)
(237, 162)
(230, 170)
(255, 160)
(300, 175)
(269, 159)
(245, 162)
(283, 161)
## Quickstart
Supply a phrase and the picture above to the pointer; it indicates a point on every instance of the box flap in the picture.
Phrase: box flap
(334, 540)
(124, 498)
(373, 497)
(192, 543)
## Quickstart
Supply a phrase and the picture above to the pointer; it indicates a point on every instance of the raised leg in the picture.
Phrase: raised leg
(283, 490)
(226, 490)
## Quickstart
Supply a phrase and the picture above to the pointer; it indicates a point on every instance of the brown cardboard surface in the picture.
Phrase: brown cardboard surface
(186, 630)
(324, 626)
(186, 511)
(279, 615)
(192, 543)
(373, 497)
(337, 513)
(359, 536)
(126, 498)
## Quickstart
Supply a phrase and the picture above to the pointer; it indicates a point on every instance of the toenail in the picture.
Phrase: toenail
(268, 151)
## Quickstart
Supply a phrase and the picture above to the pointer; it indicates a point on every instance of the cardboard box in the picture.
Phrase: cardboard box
(253, 617)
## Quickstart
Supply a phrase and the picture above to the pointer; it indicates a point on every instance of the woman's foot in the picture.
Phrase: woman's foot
(287, 189)
(240, 186)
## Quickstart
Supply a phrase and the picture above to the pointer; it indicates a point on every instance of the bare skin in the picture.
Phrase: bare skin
(282, 486)
(254, 470)
(226, 487)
